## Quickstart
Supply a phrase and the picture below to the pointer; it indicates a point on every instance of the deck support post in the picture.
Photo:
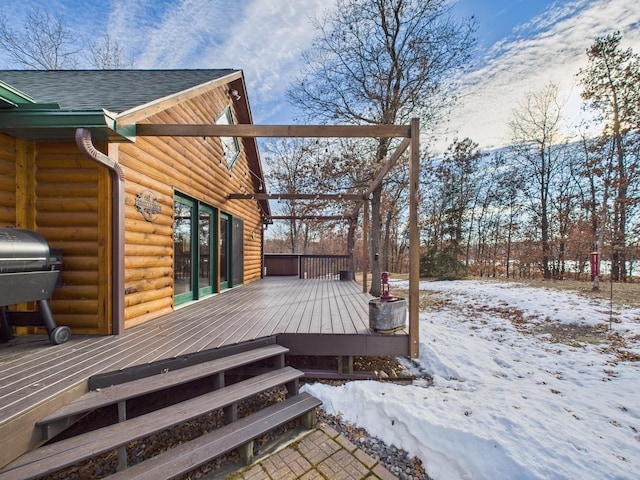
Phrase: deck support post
(122, 450)
(292, 388)
(246, 452)
(279, 361)
(365, 245)
(414, 241)
(231, 412)
(218, 381)
(310, 419)
(345, 364)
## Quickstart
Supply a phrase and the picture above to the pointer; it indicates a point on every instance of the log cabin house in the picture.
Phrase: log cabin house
(150, 184)
(144, 225)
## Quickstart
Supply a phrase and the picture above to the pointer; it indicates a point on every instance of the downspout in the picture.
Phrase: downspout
(85, 144)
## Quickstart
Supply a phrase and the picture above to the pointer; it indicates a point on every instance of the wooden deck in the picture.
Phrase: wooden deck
(310, 317)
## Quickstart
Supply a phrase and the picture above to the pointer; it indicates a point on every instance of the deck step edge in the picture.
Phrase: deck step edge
(125, 391)
(53, 457)
(190, 455)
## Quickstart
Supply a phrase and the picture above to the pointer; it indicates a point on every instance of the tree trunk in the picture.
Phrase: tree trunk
(621, 203)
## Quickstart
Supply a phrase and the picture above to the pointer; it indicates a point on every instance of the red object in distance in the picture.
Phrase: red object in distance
(595, 264)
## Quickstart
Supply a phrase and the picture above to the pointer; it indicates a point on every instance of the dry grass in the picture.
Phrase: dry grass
(623, 294)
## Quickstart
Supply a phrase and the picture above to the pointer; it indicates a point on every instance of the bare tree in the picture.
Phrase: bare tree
(535, 132)
(291, 171)
(109, 54)
(43, 42)
(382, 62)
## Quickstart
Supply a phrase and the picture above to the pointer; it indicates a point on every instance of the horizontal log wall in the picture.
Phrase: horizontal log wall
(70, 212)
(191, 166)
(52, 189)
(7, 181)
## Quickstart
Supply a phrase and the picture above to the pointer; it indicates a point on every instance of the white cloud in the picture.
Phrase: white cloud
(549, 48)
(266, 44)
(262, 37)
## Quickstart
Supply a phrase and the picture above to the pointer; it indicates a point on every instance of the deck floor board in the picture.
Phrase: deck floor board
(32, 370)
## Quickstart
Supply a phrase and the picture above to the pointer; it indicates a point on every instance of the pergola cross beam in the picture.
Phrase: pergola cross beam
(265, 131)
(294, 196)
(311, 217)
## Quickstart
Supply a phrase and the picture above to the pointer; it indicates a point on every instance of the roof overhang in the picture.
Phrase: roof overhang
(124, 121)
(43, 123)
(22, 117)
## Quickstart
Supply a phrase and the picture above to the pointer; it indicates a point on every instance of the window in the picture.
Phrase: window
(230, 145)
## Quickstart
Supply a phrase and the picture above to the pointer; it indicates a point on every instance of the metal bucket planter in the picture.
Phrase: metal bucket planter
(387, 316)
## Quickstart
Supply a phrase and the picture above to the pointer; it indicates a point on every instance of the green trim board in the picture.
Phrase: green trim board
(12, 96)
(33, 118)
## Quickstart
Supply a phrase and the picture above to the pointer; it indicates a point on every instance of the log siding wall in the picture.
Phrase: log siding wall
(190, 166)
(72, 196)
(7, 181)
(53, 189)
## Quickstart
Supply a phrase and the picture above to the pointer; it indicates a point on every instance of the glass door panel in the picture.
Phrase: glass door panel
(183, 250)
(224, 251)
(206, 254)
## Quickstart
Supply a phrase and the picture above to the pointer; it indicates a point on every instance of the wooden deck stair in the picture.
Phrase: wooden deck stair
(238, 433)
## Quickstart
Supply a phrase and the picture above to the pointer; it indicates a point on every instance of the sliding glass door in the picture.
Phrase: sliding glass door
(194, 227)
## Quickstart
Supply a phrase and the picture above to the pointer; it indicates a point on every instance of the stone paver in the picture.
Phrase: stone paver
(343, 466)
(287, 463)
(317, 446)
(323, 453)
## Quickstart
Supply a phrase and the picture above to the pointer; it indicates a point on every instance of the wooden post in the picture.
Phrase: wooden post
(122, 450)
(365, 245)
(414, 241)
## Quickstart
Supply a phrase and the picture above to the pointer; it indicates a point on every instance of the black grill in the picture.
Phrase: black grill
(29, 272)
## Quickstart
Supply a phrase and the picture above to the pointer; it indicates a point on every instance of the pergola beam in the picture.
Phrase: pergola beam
(310, 217)
(388, 166)
(294, 196)
(286, 131)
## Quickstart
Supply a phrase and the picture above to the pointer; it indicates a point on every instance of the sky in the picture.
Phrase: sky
(505, 401)
(522, 45)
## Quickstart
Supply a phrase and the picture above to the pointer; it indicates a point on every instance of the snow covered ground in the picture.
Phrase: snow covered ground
(507, 401)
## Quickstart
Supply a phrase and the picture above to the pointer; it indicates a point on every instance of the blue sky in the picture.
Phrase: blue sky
(523, 44)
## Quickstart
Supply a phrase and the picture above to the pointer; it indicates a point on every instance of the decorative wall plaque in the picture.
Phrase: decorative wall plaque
(147, 204)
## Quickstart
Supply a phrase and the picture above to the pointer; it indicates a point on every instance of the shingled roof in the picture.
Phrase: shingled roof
(113, 90)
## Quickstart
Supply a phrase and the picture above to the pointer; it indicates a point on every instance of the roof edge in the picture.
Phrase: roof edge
(12, 96)
(128, 117)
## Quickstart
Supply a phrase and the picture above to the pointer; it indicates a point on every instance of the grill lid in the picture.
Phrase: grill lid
(22, 251)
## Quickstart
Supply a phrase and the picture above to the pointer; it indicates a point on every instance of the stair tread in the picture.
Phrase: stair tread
(189, 455)
(55, 456)
(125, 391)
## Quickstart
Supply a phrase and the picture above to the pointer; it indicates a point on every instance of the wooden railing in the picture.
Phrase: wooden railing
(323, 266)
(310, 266)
